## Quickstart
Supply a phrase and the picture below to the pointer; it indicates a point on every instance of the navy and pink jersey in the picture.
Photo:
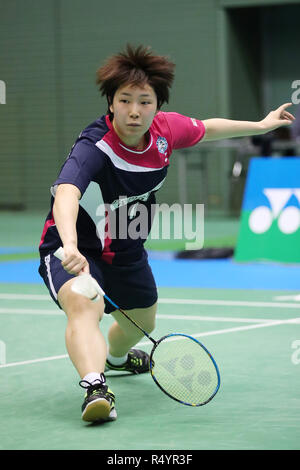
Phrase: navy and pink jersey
(115, 181)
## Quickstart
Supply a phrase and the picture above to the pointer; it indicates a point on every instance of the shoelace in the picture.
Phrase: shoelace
(91, 387)
(94, 387)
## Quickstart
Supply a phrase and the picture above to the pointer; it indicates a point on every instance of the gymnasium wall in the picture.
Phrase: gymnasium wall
(51, 49)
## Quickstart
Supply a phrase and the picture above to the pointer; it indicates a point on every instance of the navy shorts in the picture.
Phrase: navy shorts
(131, 286)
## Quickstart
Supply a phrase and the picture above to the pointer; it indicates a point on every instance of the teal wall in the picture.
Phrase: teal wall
(51, 49)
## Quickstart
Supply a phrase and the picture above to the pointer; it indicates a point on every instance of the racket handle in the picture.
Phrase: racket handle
(59, 253)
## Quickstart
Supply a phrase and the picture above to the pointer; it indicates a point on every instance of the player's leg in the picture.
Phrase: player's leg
(133, 288)
(85, 343)
(84, 340)
(123, 335)
(87, 350)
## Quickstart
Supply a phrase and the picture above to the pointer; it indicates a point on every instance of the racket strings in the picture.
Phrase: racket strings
(184, 370)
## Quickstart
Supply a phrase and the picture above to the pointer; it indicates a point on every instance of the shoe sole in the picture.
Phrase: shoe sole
(109, 368)
(99, 410)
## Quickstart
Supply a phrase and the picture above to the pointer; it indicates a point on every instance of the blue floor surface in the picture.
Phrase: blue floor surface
(221, 274)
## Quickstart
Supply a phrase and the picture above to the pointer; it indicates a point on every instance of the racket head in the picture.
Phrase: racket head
(184, 369)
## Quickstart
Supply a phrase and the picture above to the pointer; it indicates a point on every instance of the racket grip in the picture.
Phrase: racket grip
(59, 253)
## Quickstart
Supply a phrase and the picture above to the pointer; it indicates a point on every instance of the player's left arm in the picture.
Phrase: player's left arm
(216, 129)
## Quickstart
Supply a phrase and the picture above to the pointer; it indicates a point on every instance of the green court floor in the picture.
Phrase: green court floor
(253, 335)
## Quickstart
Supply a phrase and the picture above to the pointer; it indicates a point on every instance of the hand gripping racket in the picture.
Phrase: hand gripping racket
(180, 365)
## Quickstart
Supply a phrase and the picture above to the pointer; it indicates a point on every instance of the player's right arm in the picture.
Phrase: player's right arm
(65, 212)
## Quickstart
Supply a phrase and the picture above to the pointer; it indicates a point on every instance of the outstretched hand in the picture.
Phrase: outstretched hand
(278, 118)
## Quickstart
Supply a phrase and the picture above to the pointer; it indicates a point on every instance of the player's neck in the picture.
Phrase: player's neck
(135, 142)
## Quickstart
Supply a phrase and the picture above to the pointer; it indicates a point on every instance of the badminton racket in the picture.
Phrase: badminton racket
(180, 365)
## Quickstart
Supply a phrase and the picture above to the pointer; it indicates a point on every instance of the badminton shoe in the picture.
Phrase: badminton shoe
(137, 362)
(99, 402)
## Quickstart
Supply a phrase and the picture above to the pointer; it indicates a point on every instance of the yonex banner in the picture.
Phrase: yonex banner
(270, 218)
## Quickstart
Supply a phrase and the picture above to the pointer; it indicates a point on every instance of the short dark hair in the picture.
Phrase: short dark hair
(136, 66)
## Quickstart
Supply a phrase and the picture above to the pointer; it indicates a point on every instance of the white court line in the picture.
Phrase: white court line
(222, 303)
(25, 297)
(229, 303)
(238, 328)
(28, 311)
(33, 361)
(296, 298)
(197, 335)
(213, 318)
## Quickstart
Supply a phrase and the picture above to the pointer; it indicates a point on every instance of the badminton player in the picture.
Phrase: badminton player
(125, 154)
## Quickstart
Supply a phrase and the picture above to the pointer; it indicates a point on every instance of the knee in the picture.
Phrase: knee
(150, 326)
(76, 304)
(149, 319)
(80, 310)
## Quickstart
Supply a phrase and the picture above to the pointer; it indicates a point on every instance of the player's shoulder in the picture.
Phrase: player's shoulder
(176, 120)
(166, 118)
(160, 122)
(94, 131)
(165, 115)
(86, 143)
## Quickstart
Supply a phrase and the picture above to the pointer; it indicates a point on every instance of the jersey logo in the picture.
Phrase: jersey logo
(162, 144)
(123, 200)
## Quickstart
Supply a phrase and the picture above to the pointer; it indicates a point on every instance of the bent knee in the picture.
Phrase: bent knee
(150, 323)
(145, 318)
(76, 305)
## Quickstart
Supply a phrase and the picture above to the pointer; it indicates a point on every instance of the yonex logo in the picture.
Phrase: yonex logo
(123, 200)
(186, 367)
(285, 208)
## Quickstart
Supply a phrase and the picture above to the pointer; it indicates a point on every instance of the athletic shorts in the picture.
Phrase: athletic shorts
(131, 286)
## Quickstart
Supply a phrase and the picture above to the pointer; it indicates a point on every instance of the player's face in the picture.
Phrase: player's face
(134, 109)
